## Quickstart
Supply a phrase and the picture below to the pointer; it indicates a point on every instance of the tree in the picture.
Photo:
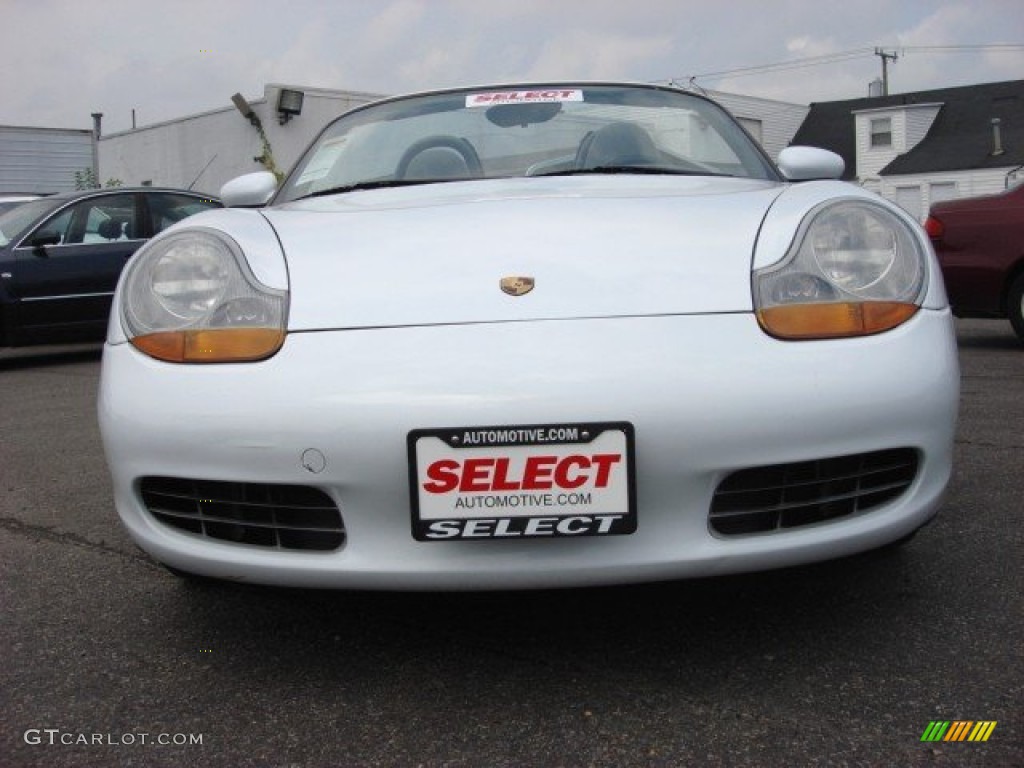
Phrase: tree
(86, 179)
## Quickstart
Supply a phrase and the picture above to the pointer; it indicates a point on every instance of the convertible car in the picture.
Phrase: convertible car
(548, 335)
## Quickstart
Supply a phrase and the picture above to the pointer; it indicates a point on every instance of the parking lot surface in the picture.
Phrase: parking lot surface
(110, 660)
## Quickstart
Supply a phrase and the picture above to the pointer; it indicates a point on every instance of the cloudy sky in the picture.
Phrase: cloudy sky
(64, 59)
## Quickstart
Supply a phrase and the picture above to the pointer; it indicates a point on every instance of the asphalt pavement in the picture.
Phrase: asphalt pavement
(110, 660)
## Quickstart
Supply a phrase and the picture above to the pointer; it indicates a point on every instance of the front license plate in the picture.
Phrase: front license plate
(515, 482)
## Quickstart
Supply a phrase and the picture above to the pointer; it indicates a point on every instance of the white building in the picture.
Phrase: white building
(203, 151)
(772, 123)
(43, 161)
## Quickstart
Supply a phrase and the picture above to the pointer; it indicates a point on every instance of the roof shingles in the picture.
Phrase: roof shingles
(960, 138)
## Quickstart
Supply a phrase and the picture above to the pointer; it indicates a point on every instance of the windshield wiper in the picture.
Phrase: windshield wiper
(378, 184)
(601, 169)
(638, 169)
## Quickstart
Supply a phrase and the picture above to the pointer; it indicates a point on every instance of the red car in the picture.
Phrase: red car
(980, 245)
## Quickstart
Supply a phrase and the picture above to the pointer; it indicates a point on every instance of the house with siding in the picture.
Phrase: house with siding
(772, 123)
(919, 148)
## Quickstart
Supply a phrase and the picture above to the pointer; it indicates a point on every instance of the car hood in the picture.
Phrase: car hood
(606, 246)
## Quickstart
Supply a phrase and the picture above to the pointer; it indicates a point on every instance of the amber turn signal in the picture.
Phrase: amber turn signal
(212, 345)
(833, 320)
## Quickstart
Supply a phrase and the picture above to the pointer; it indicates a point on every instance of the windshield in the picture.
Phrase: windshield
(15, 221)
(535, 131)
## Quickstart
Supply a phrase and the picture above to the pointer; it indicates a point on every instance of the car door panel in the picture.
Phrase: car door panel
(64, 290)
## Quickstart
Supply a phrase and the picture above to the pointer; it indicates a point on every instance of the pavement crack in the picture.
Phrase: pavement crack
(21, 528)
(985, 444)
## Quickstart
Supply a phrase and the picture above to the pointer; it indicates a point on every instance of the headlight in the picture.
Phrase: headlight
(191, 298)
(854, 268)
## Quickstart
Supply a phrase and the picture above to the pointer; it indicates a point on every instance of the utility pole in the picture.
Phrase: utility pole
(97, 123)
(886, 57)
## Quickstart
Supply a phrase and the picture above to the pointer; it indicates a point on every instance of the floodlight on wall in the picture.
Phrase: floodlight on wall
(289, 104)
(243, 106)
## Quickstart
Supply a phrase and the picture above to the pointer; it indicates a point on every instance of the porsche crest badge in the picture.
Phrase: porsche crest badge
(516, 286)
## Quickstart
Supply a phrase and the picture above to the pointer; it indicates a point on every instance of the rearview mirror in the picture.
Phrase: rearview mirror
(510, 115)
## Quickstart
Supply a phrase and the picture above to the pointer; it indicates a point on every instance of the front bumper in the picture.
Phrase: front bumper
(706, 395)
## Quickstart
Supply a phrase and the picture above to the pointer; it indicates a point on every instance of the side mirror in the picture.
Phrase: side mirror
(249, 191)
(43, 238)
(807, 163)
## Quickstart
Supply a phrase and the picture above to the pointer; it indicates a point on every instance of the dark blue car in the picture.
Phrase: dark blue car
(61, 256)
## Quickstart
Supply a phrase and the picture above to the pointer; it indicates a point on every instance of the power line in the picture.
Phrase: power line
(810, 61)
(834, 58)
(992, 47)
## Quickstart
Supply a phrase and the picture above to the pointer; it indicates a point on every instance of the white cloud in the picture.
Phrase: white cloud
(392, 28)
(438, 66)
(587, 54)
(805, 46)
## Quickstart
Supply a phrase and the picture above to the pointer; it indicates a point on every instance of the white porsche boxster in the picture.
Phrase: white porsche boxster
(536, 336)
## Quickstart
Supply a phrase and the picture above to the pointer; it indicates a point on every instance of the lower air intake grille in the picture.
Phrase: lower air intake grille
(258, 514)
(780, 496)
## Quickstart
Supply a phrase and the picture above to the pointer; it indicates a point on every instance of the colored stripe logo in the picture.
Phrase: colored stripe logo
(958, 730)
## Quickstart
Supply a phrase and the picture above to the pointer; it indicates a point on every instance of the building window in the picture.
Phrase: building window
(909, 199)
(939, 191)
(881, 132)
